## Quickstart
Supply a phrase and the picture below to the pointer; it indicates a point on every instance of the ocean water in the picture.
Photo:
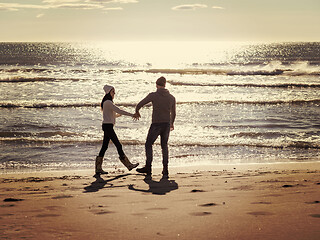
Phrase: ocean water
(236, 102)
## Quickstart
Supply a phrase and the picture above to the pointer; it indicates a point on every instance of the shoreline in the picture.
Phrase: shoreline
(187, 168)
(255, 201)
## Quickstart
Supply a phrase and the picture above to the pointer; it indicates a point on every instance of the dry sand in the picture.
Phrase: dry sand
(275, 201)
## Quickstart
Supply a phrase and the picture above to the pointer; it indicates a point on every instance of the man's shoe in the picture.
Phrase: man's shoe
(144, 170)
(165, 174)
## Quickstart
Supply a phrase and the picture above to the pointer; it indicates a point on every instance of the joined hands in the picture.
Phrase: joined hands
(136, 116)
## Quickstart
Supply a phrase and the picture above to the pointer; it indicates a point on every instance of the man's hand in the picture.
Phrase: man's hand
(136, 116)
(171, 127)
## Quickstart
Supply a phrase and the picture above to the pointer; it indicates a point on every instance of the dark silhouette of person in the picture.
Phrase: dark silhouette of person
(110, 112)
(163, 116)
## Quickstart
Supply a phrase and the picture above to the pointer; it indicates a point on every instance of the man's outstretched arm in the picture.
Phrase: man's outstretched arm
(143, 102)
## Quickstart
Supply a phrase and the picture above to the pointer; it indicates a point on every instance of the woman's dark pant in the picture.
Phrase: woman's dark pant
(156, 129)
(109, 133)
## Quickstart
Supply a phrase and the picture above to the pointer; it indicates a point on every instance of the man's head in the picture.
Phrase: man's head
(161, 82)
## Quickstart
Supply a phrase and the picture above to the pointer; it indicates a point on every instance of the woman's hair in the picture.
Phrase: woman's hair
(105, 98)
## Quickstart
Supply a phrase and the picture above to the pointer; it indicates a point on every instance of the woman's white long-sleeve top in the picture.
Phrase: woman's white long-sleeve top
(110, 110)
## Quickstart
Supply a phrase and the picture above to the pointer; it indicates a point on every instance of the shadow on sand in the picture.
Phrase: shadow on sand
(101, 183)
(162, 187)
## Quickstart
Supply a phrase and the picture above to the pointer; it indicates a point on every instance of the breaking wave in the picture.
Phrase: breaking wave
(51, 138)
(281, 85)
(271, 102)
(216, 72)
(56, 69)
(45, 140)
(16, 135)
(299, 144)
(48, 105)
(34, 79)
(25, 70)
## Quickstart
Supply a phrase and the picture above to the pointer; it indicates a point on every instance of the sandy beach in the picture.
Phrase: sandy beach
(270, 201)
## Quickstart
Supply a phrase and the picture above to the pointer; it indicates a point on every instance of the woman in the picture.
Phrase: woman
(110, 112)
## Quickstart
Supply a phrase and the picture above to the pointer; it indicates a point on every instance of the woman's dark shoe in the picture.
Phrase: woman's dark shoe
(99, 170)
(127, 163)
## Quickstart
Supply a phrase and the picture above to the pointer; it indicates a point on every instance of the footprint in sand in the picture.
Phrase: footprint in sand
(98, 210)
(12, 200)
(36, 192)
(103, 212)
(34, 211)
(287, 186)
(6, 214)
(53, 208)
(160, 209)
(139, 214)
(62, 196)
(109, 196)
(208, 205)
(272, 195)
(243, 188)
(7, 205)
(196, 190)
(47, 215)
(200, 214)
(261, 213)
(261, 202)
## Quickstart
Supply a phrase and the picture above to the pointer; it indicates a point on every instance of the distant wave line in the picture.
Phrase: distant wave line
(230, 72)
(76, 105)
(177, 83)
(298, 144)
(186, 71)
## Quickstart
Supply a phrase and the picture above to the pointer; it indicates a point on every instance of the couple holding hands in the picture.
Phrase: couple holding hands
(163, 116)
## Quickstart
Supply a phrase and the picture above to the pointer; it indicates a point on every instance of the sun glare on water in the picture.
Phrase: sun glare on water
(170, 55)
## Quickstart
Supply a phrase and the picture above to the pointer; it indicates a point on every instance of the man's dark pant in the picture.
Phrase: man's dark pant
(156, 129)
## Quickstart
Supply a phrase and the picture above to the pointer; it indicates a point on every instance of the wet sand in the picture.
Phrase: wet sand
(271, 201)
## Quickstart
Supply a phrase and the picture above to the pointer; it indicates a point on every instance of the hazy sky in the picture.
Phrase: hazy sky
(161, 20)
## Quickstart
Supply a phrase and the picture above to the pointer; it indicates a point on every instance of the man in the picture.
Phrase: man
(163, 116)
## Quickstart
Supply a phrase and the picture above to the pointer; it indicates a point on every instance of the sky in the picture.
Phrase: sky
(159, 20)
